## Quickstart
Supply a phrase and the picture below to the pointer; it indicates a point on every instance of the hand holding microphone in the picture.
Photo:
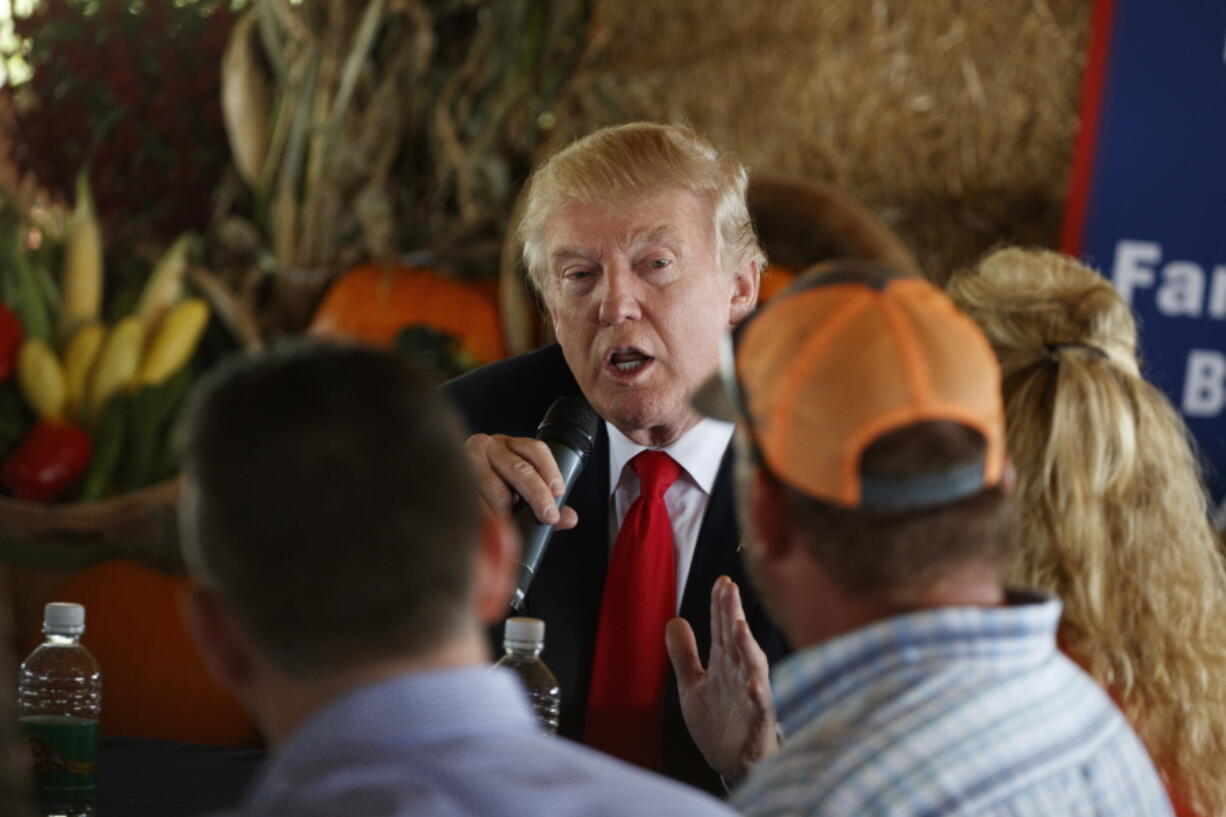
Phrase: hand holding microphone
(541, 471)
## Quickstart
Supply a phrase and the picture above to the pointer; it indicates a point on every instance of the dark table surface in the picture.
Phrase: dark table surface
(158, 778)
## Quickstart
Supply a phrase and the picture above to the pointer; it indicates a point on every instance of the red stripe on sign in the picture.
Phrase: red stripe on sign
(1087, 137)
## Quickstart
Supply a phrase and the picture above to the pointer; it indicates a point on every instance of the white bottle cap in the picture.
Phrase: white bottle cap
(63, 618)
(524, 633)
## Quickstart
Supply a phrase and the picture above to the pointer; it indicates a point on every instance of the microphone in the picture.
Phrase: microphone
(569, 429)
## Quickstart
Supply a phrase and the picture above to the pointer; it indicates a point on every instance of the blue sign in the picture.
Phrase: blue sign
(1147, 203)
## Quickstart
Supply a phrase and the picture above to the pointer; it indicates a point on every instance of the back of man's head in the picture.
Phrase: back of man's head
(875, 405)
(329, 502)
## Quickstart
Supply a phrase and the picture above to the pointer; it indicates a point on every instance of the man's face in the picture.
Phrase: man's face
(639, 305)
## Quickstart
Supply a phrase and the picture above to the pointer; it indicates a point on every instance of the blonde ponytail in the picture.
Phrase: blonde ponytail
(1114, 517)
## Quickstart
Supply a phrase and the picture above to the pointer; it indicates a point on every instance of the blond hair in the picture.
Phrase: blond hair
(1114, 516)
(623, 162)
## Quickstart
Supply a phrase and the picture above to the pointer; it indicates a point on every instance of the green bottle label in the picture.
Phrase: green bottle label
(65, 753)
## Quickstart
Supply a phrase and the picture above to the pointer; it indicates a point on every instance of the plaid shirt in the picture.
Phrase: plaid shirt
(954, 711)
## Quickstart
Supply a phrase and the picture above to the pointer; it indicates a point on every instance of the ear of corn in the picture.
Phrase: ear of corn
(79, 358)
(246, 99)
(174, 341)
(165, 286)
(41, 379)
(81, 281)
(118, 363)
(18, 281)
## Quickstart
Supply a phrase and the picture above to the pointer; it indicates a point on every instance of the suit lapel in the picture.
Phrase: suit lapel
(715, 555)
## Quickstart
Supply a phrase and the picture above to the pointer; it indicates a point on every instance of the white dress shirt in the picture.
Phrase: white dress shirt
(699, 452)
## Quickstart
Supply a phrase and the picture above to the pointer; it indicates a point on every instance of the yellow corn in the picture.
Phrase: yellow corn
(165, 286)
(81, 275)
(118, 363)
(79, 358)
(175, 340)
(41, 379)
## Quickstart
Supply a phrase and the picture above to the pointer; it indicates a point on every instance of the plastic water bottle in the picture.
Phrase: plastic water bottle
(523, 640)
(59, 699)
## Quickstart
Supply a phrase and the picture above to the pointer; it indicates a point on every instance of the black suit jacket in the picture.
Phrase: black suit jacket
(510, 397)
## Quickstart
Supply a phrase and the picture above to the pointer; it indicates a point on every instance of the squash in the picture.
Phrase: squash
(374, 304)
(775, 279)
(154, 684)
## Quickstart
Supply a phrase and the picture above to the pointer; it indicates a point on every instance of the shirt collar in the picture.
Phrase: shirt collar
(698, 451)
(902, 649)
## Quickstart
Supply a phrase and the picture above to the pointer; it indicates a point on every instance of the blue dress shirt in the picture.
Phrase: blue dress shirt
(448, 743)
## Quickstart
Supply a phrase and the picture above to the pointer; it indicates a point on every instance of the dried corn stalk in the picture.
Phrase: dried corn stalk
(390, 125)
(245, 100)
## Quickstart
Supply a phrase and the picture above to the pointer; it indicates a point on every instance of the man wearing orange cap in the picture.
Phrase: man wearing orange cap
(871, 479)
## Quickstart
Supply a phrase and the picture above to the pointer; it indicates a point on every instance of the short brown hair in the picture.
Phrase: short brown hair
(330, 502)
(631, 160)
(870, 552)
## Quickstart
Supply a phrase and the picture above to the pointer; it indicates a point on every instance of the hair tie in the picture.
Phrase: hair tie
(1053, 350)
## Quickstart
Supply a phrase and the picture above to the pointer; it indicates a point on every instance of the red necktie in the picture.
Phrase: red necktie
(625, 708)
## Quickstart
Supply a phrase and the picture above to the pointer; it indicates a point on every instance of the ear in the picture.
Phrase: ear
(770, 515)
(745, 280)
(220, 640)
(494, 571)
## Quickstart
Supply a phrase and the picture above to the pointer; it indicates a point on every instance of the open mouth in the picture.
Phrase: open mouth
(628, 360)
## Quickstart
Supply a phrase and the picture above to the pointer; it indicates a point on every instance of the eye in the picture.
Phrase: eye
(658, 263)
(577, 274)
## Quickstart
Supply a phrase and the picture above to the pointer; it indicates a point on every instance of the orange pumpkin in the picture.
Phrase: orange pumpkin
(775, 279)
(154, 684)
(373, 304)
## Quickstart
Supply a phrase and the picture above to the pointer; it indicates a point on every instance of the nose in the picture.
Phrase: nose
(620, 299)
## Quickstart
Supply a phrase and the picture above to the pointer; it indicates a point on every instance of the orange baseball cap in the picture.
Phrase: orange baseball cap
(848, 353)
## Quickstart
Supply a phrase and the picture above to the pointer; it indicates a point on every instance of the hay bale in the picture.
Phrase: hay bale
(953, 119)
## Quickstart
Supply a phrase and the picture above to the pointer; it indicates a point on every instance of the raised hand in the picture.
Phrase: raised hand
(727, 707)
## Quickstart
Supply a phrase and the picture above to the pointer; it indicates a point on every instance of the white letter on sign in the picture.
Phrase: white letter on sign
(1217, 293)
(1133, 266)
(1204, 387)
(1182, 290)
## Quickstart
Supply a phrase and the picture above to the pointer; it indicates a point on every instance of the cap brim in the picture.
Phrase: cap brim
(712, 400)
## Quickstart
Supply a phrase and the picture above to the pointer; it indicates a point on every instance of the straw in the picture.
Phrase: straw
(954, 121)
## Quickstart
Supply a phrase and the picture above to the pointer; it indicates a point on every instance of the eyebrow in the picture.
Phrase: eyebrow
(569, 252)
(653, 234)
(646, 235)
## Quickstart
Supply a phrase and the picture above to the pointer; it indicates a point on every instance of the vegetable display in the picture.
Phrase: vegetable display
(87, 407)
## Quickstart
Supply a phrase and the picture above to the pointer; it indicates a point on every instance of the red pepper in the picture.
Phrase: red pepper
(52, 457)
(11, 334)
